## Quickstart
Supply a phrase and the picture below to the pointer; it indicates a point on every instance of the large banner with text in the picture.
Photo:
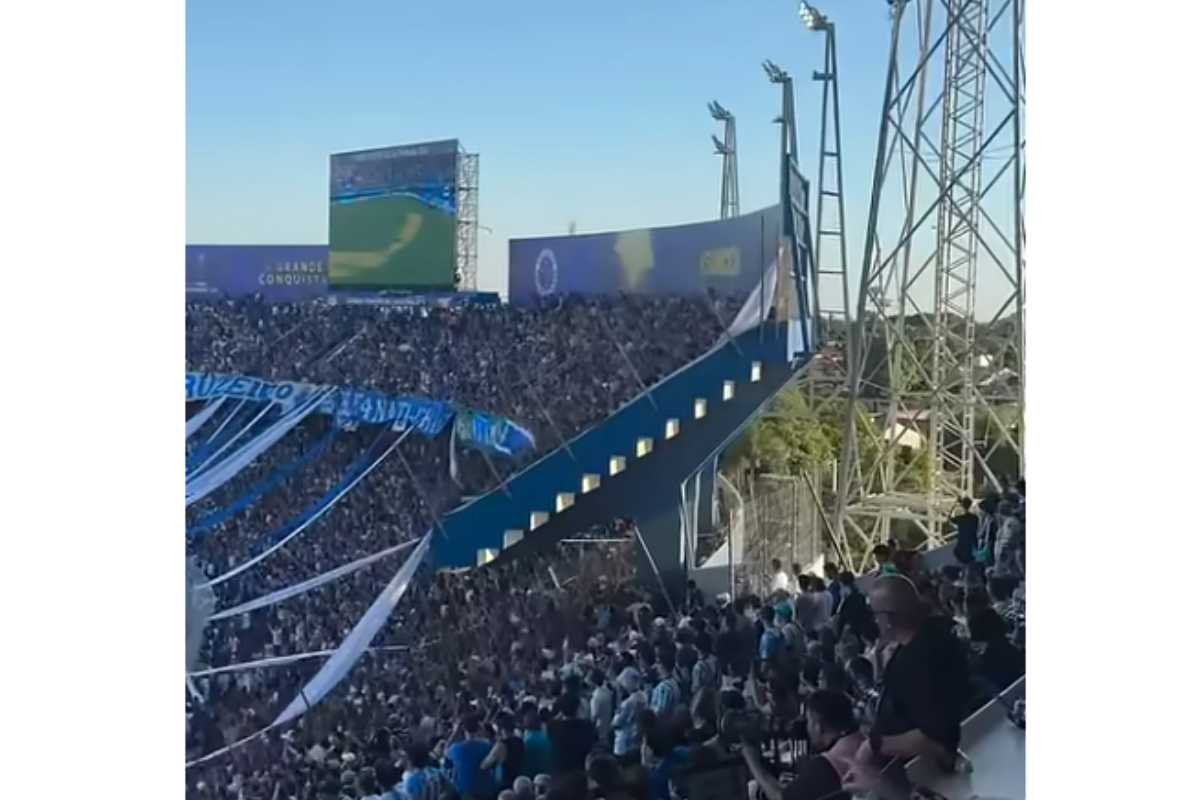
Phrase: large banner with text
(279, 273)
(728, 256)
(351, 406)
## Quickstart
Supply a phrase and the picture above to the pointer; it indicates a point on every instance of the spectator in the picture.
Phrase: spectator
(1000, 663)
(508, 753)
(466, 758)
(882, 553)
(925, 683)
(538, 754)
(780, 582)
(967, 526)
(627, 742)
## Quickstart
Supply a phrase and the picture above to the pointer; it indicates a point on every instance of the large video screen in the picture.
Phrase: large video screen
(728, 256)
(392, 217)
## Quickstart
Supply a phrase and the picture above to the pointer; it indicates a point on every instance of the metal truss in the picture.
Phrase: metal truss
(937, 351)
(826, 379)
(466, 227)
(726, 148)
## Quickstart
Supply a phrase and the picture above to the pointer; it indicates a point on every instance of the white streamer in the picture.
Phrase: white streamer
(280, 595)
(215, 457)
(282, 661)
(203, 485)
(344, 658)
(356, 643)
(320, 513)
(202, 416)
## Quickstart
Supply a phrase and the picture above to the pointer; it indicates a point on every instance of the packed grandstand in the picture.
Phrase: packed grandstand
(559, 674)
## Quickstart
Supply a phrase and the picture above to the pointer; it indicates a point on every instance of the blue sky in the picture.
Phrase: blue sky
(592, 112)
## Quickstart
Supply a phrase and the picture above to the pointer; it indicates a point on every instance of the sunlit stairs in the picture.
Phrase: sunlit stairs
(630, 465)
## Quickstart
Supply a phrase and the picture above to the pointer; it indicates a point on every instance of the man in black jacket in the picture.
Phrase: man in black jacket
(925, 684)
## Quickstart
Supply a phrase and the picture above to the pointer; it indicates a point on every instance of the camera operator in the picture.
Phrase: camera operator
(832, 733)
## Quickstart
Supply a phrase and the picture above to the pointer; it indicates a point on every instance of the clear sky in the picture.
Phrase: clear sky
(592, 112)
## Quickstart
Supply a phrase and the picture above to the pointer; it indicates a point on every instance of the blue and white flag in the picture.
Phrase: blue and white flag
(348, 406)
(492, 432)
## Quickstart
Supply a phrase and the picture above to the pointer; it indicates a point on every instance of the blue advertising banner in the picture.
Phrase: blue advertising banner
(495, 433)
(351, 407)
(348, 406)
(280, 273)
(728, 256)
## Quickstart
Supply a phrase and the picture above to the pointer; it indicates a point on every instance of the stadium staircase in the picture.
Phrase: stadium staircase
(645, 461)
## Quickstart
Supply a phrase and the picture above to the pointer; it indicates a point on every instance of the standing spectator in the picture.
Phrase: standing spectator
(854, 615)
(882, 553)
(508, 754)
(967, 525)
(627, 738)
(832, 573)
(421, 781)
(601, 707)
(780, 582)
(471, 781)
(667, 693)
(537, 759)
(924, 683)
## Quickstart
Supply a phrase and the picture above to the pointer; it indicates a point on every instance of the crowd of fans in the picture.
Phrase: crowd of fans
(556, 370)
(556, 676)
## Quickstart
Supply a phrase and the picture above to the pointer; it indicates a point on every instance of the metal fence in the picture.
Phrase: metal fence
(781, 521)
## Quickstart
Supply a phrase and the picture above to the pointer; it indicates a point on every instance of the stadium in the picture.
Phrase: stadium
(688, 513)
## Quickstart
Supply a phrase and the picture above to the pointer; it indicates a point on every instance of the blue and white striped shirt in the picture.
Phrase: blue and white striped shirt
(666, 695)
(628, 738)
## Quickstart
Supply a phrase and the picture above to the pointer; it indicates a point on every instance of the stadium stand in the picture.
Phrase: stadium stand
(555, 675)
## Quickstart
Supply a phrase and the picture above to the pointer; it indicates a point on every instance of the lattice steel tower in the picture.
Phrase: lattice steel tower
(726, 148)
(938, 344)
(830, 241)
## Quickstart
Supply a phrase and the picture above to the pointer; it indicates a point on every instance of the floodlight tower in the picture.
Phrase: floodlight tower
(827, 378)
(941, 291)
(795, 267)
(831, 216)
(726, 148)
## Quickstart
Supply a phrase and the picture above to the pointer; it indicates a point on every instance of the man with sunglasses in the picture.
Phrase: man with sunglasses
(925, 684)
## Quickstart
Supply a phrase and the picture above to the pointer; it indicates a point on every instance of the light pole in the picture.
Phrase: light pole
(727, 149)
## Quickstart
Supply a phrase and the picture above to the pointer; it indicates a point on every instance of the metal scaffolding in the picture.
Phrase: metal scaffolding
(726, 148)
(938, 335)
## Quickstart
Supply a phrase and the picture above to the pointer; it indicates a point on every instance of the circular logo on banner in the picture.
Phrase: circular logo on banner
(545, 272)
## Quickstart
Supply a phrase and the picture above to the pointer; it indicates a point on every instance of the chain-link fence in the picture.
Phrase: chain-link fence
(779, 519)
